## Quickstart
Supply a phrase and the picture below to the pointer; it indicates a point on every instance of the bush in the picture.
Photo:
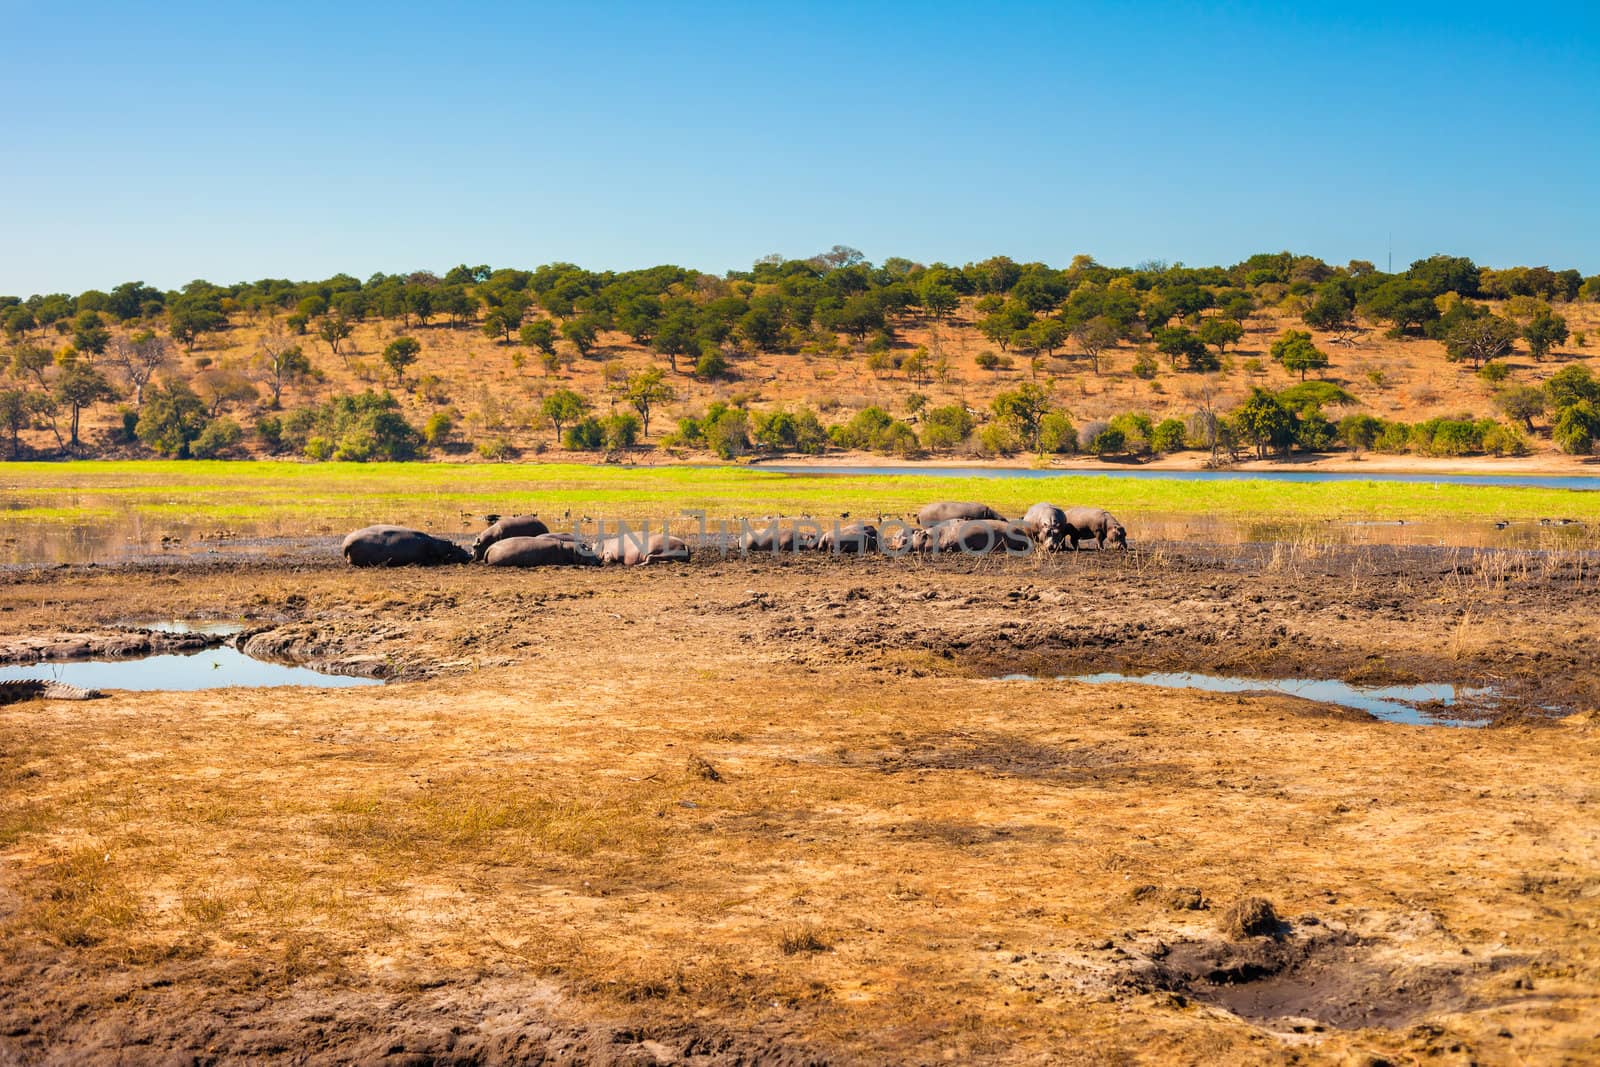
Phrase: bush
(1144, 366)
(355, 428)
(1168, 436)
(1500, 439)
(1057, 434)
(1136, 430)
(585, 436)
(1108, 442)
(171, 420)
(1494, 372)
(1313, 432)
(1395, 438)
(1360, 432)
(946, 427)
(318, 448)
(727, 431)
(221, 435)
(269, 431)
(783, 431)
(620, 430)
(436, 431)
(711, 364)
(996, 439)
(875, 430)
(1577, 428)
(497, 449)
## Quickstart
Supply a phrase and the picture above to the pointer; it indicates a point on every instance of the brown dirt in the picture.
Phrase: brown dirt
(518, 854)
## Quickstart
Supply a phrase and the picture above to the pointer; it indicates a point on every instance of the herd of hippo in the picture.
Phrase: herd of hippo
(526, 541)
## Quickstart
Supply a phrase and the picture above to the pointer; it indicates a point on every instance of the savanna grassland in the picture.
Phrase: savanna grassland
(827, 832)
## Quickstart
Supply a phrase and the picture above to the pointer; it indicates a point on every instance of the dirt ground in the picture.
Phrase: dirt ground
(787, 811)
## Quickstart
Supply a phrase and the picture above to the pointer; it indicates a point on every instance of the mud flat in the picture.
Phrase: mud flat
(787, 811)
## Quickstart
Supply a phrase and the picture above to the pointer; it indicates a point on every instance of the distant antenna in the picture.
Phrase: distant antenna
(1390, 268)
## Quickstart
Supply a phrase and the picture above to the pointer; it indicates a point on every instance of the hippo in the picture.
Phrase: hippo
(858, 537)
(397, 546)
(516, 526)
(945, 510)
(1096, 523)
(773, 538)
(982, 536)
(1047, 525)
(634, 550)
(544, 550)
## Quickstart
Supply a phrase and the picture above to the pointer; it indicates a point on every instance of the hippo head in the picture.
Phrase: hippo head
(1117, 534)
(449, 552)
(479, 547)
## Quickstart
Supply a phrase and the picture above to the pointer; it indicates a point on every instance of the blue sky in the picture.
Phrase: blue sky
(295, 140)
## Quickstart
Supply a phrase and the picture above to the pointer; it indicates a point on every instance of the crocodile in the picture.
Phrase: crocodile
(43, 689)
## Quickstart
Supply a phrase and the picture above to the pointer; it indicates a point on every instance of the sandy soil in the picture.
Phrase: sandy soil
(784, 811)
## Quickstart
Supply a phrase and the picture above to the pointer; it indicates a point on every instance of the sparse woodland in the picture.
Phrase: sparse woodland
(1273, 355)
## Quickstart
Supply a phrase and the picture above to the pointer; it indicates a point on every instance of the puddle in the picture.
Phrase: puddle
(1392, 703)
(212, 668)
(180, 626)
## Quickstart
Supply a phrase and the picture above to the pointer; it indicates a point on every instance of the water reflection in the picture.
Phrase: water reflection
(212, 668)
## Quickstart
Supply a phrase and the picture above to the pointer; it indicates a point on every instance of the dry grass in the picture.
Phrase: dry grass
(898, 861)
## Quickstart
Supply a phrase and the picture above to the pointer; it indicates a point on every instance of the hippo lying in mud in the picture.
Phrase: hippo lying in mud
(946, 510)
(854, 537)
(516, 526)
(1047, 525)
(636, 551)
(981, 536)
(543, 550)
(771, 539)
(1096, 523)
(397, 546)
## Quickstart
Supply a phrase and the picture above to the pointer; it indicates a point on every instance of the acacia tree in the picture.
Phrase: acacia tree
(1543, 332)
(1220, 331)
(333, 329)
(1480, 338)
(279, 363)
(1265, 423)
(646, 390)
(139, 357)
(1023, 410)
(1296, 351)
(79, 386)
(563, 408)
(400, 354)
(1094, 336)
(17, 409)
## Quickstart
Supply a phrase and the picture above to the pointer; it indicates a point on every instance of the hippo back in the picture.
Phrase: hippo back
(981, 536)
(857, 537)
(399, 546)
(946, 510)
(516, 526)
(543, 550)
(635, 551)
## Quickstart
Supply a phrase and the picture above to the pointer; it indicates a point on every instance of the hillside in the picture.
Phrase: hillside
(491, 389)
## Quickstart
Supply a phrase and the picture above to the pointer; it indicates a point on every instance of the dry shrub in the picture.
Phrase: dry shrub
(1250, 917)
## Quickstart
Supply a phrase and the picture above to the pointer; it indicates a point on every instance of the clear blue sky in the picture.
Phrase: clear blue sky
(230, 141)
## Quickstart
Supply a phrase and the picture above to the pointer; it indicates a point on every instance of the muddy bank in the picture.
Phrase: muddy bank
(754, 810)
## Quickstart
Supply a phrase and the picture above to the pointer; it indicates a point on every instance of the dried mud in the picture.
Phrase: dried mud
(515, 852)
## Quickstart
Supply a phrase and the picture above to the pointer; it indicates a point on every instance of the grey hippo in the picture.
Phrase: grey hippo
(1047, 525)
(853, 537)
(945, 510)
(543, 550)
(398, 546)
(1097, 524)
(516, 526)
(635, 550)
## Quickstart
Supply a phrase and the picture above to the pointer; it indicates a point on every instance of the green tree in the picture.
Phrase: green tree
(1521, 402)
(90, 335)
(1572, 385)
(334, 329)
(401, 353)
(32, 361)
(1265, 423)
(1544, 332)
(279, 363)
(1022, 409)
(188, 321)
(1479, 338)
(1298, 353)
(78, 387)
(562, 408)
(171, 419)
(17, 410)
(619, 431)
(940, 299)
(946, 427)
(646, 390)
(1576, 428)
(761, 328)
(582, 332)
(1168, 435)
(1180, 343)
(1220, 331)
(539, 334)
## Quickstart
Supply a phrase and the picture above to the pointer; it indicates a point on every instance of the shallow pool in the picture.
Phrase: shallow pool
(211, 668)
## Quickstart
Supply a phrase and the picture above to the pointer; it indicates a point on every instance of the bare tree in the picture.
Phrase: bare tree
(280, 362)
(138, 358)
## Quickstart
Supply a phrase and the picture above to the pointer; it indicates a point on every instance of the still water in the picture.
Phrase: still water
(212, 668)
